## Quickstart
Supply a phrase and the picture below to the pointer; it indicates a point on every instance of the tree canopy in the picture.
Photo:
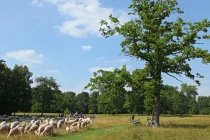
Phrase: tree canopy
(166, 46)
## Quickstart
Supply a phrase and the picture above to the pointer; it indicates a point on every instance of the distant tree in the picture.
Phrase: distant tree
(82, 102)
(190, 91)
(136, 98)
(167, 93)
(43, 93)
(5, 89)
(93, 102)
(166, 46)
(58, 102)
(204, 105)
(70, 101)
(179, 103)
(112, 85)
(21, 88)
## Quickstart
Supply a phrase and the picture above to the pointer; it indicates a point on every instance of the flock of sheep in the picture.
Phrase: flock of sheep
(41, 126)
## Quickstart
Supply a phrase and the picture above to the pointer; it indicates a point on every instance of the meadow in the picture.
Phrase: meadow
(119, 127)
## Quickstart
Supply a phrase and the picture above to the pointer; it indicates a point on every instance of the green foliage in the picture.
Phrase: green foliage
(36, 107)
(205, 111)
(166, 46)
(82, 102)
(15, 89)
(112, 87)
(44, 93)
(93, 102)
(66, 111)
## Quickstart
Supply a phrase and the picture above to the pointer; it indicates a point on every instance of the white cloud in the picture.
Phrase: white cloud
(123, 60)
(100, 58)
(84, 16)
(37, 2)
(129, 68)
(95, 69)
(87, 47)
(29, 56)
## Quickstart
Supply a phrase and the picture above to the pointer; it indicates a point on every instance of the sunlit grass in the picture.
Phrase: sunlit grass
(118, 127)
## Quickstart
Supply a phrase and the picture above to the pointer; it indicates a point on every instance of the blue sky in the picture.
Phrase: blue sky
(60, 38)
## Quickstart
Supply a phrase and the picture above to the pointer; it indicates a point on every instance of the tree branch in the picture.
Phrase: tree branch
(174, 77)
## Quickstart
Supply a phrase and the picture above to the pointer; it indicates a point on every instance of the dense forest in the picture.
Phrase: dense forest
(112, 92)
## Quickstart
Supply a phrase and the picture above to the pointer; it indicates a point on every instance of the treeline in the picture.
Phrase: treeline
(111, 92)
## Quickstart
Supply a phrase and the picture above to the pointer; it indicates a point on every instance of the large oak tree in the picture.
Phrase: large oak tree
(166, 46)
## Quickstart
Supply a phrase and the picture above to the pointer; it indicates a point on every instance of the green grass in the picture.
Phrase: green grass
(109, 127)
(90, 133)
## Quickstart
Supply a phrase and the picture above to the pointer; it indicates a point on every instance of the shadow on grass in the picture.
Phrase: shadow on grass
(190, 126)
(177, 115)
(56, 135)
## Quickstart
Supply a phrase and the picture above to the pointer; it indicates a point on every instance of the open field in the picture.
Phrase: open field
(110, 127)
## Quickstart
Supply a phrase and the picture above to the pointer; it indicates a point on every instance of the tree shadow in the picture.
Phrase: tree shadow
(177, 115)
(196, 126)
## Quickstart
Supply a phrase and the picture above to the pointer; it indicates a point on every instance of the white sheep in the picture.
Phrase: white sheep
(69, 122)
(47, 130)
(14, 124)
(33, 128)
(36, 122)
(21, 130)
(13, 132)
(41, 129)
(5, 128)
(3, 123)
(27, 128)
(84, 124)
(70, 129)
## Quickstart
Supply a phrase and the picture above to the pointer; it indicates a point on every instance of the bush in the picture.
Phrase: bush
(66, 111)
(36, 107)
(205, 111)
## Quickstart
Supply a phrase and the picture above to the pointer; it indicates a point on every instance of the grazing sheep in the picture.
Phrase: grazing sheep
(74, 124)
(47, 130)
(84, 124)
(33, 128)
(14, 124)
(4, 128)
(32, 121)
(41, 129)
(79, 124)
(60, 122)
(21, 130)
(13, 132)
(69, 122)
(27, 128)
(70, 129)
(37, 122)
(3, 123)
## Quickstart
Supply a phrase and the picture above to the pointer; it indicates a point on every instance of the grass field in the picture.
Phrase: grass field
(108, 127)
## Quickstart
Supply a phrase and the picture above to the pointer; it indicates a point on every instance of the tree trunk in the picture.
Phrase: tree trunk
(157, 89)
(156, 112)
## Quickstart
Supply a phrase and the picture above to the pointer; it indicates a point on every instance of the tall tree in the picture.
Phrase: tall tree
(70, 101)
(166, 46)
(21, 88)
(82, 102)
(43, 93)
(112, 85)
(190, 92)
(93, 102)
(5, 89)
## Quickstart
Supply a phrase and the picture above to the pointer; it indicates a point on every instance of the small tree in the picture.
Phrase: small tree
(66, 111)
(166, 46)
